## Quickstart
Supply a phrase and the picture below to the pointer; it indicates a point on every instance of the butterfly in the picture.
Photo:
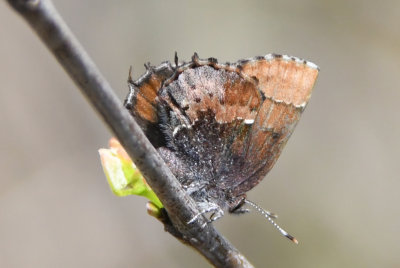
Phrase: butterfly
(221, 127)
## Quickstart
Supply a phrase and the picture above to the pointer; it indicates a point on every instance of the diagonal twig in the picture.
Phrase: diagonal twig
(49, 26)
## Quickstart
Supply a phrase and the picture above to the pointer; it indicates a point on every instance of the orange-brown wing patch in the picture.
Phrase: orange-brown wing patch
(145, 109)
(146, 94)
(227, 95)
(286, 85)
(289, 81)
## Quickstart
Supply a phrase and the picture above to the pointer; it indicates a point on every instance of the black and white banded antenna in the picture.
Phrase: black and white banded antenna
(269, 217)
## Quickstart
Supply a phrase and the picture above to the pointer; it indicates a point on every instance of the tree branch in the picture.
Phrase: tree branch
(49, 26)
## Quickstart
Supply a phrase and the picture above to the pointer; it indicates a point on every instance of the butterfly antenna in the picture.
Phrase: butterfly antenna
(269, 217)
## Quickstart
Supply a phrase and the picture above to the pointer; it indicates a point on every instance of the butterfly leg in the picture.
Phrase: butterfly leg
(240, 210)
(207, 207)
(237, 205)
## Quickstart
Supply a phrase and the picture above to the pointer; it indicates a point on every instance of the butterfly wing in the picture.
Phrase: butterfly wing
(286, 83)
(204, 113)
(141, 100)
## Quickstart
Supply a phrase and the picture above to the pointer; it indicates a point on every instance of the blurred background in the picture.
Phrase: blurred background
(335, 187)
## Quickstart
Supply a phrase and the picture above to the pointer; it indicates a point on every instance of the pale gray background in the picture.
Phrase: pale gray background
(335, 187)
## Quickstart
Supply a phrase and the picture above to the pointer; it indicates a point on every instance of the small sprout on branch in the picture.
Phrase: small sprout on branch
(123, 176)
